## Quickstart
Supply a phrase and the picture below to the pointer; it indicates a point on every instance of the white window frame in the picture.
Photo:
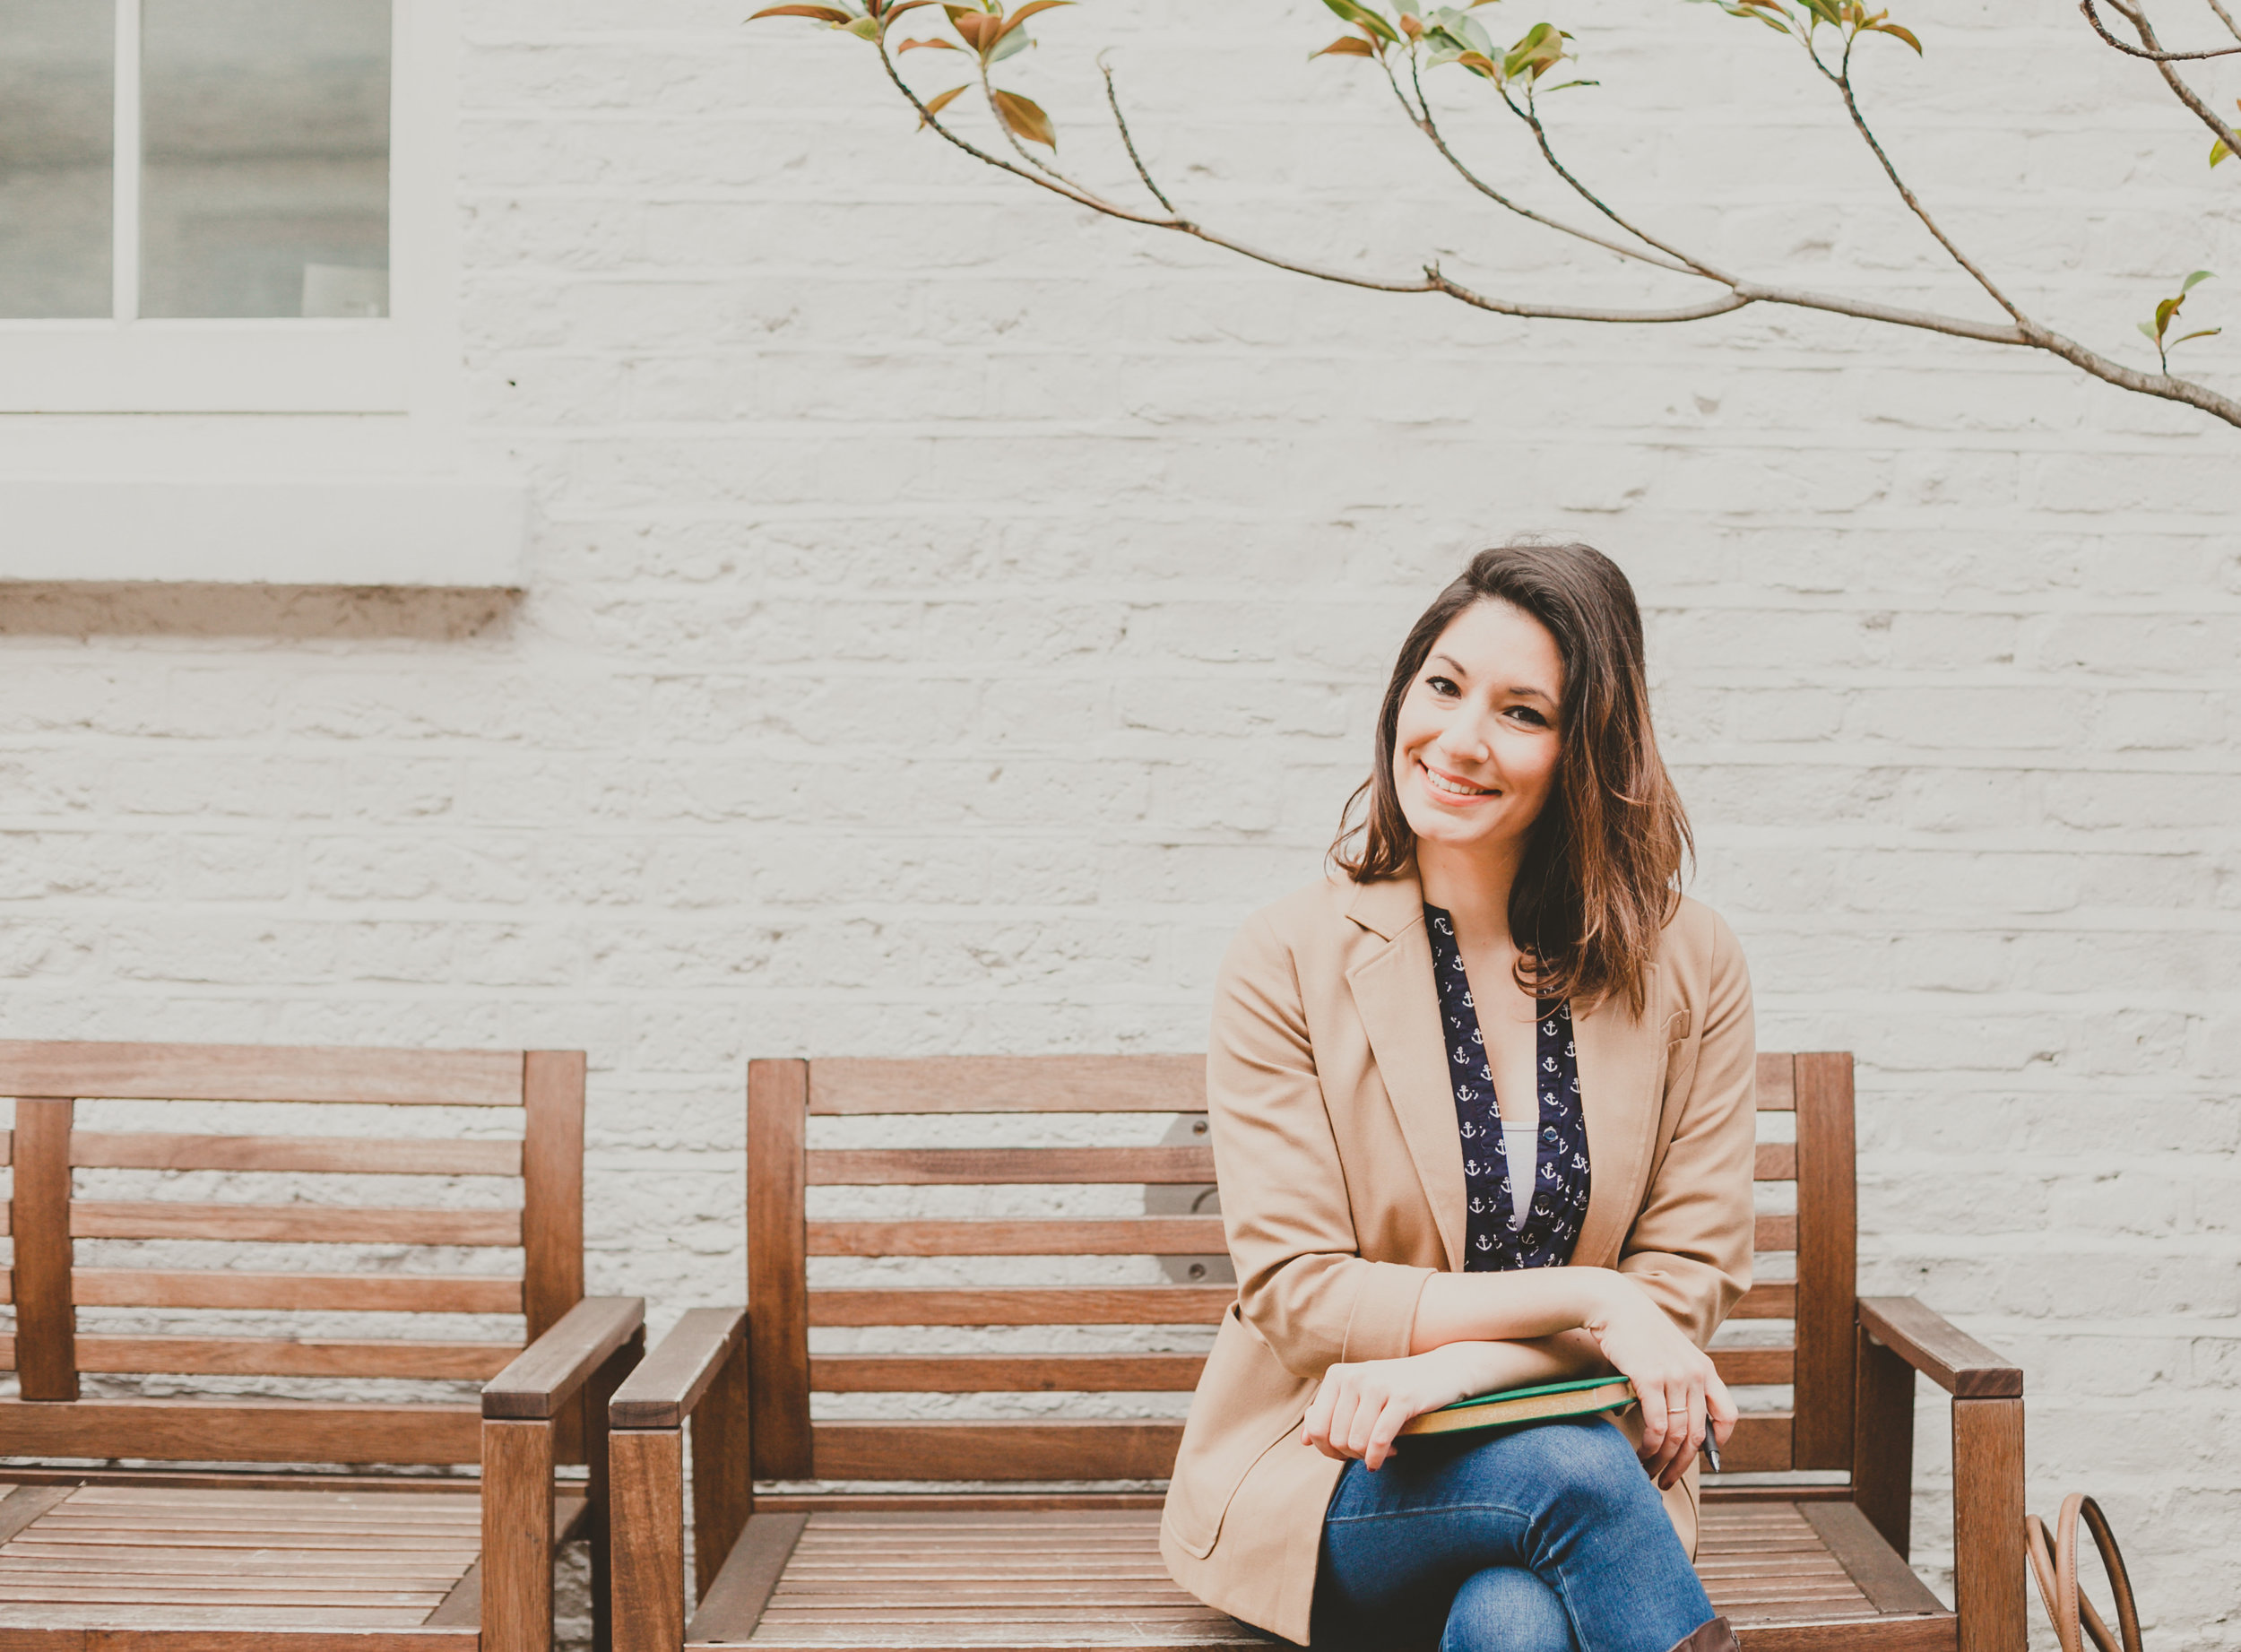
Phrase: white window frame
(125, 364)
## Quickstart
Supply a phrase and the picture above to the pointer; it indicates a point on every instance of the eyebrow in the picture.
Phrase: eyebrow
(1526, 691)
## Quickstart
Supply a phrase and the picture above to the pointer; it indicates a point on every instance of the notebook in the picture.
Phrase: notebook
(1544, 1403)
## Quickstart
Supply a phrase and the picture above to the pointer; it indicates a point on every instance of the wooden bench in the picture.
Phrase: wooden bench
(224, 1558)
(1796, 1565)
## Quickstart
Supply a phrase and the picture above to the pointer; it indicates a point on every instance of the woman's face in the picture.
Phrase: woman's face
(1475, 749)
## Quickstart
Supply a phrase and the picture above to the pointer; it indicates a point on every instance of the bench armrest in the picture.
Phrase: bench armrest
(548, 1373)
(699, 1371)
(1939, 1349)
(663, 1391)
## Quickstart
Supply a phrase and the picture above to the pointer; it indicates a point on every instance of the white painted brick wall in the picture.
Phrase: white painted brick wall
(952, 613)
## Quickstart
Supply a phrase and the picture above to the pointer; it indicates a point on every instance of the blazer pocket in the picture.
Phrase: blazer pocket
(1195, 1509)
(1678, 1026)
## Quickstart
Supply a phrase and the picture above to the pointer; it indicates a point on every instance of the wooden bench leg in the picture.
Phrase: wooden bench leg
(646, 1470)
(1988, 1564)
(1882, 1439)
(518, 1536)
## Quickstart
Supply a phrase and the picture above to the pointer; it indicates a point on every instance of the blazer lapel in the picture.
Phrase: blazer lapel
(1399, 1007)
(1619, 1068)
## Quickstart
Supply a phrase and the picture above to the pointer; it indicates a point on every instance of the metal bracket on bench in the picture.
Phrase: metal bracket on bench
(1188, 1200)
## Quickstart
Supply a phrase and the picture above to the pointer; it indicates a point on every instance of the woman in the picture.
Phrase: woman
(1506, 973)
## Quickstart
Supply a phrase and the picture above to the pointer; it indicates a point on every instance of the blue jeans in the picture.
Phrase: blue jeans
(1543, 1539)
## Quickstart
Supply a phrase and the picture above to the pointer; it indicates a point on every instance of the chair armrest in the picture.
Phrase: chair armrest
(663, 1390)
(1939, 1349)
(547, 1374)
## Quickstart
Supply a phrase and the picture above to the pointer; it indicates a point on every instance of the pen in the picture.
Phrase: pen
(1711, 1451)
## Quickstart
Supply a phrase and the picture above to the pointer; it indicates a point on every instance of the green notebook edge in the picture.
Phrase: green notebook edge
(1532, 1393)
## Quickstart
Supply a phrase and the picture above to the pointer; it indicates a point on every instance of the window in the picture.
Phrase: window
(196, 204)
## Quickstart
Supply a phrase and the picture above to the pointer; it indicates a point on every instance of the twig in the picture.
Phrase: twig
(1420, 115)
(2101, 29)
(1532, 117)
(2138, 18)
(1852, 104)
(1113, 97)
(2226, 18)
(1012, 138)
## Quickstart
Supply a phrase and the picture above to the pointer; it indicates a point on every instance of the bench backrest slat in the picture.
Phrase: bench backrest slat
(782, 1095)
(535, 1245)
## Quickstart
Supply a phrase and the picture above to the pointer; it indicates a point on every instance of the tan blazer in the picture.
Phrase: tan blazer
(1341, 1172)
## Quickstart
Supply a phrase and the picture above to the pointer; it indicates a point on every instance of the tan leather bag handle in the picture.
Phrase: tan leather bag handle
(2055, 1566)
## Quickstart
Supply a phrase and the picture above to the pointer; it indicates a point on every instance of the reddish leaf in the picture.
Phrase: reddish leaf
(1026, 118)
(935, 45)
(978, 29)
(822, 13)
(1904, 34)
(938, 102)
(1028, 11)
(1480, 64)
(1345, 45)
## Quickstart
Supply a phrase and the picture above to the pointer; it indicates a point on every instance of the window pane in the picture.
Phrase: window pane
(58, 118)
(265, 182)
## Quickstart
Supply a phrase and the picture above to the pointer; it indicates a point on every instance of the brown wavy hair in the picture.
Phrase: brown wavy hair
(1601, 874)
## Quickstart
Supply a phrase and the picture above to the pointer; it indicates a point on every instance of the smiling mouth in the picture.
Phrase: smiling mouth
(1453, 787)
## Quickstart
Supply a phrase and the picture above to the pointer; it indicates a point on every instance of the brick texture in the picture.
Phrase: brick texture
(952, 612)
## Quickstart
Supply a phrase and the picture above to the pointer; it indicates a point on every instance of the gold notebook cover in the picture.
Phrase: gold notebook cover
(1544, 1403)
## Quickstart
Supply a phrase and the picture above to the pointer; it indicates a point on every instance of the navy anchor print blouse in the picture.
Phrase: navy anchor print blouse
(1560, 1192)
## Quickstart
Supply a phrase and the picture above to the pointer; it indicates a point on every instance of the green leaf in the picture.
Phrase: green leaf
(1010, 45)
(2218, 151)
(2207, 332)
(1904, 34)
(2150, 334)
(1481, 64)
(1541, 49)
(2192, 282)
(1565, 86)
(822, 13)
(1026, 118)
(863, 28)
(1346, 45)
(1361, 17)
(2165, 311)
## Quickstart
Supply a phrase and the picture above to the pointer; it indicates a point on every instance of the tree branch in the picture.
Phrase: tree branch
(2137, 17)
(1852, 104)
(2226, 18)
(1740, 293)
(2101, 29)
(1419, 117)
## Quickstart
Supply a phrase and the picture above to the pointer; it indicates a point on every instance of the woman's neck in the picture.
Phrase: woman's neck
(1471, 886)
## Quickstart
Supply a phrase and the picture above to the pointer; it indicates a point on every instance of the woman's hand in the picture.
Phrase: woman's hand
(1681, 1394)
(1360, 1407)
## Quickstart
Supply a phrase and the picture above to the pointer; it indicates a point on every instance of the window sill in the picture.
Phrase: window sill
(357, 530)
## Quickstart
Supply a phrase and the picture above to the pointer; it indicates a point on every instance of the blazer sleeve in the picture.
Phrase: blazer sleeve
(1690, 1247)
(1301, 1282)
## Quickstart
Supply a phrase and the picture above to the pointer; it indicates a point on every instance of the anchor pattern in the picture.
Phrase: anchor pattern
(1560, 1193)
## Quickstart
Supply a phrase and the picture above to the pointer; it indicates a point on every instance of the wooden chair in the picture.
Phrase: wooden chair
(225, 1559)
(1796, 1566)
